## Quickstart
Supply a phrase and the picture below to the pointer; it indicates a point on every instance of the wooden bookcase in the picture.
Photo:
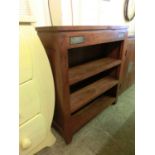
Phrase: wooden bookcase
(86, 63)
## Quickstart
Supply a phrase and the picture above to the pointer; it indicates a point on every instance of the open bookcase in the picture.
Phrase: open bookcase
(86, 62)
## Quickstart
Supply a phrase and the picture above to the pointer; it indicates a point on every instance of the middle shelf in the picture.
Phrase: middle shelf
(88, 69)
(83, 96)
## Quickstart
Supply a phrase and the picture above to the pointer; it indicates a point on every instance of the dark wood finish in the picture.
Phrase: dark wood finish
(86, 70)
(87, 113)
(88, 93)
(128, 71)
(92, 37)
(81, 71)
(79, 28)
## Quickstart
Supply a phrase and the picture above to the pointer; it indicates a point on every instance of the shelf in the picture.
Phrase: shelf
(86, 70)
(81, 97)
(83, 116)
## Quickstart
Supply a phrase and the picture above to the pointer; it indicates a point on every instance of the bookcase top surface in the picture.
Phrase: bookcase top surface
(78, 28)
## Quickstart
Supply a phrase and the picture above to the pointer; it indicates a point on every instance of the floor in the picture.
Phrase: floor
(110, 133)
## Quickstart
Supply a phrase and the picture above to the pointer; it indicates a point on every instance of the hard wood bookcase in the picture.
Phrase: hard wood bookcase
(86, 62)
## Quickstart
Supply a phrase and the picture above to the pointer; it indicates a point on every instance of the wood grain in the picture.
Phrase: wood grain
(86, 70)
(78, 28)
(83, 116)
(88, 93)
(128, 71)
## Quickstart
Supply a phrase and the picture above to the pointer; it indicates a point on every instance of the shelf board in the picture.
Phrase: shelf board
(83, 116)
(86, 70)
(83, 96)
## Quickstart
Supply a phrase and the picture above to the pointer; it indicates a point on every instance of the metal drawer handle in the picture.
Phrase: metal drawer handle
(77, 40)
(121, 35)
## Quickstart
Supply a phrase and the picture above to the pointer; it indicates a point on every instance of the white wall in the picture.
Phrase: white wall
(66, 8)
(80, 12)
(40, 11)
(100, 12)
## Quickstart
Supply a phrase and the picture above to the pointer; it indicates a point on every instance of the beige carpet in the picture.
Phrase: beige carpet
(110, 133)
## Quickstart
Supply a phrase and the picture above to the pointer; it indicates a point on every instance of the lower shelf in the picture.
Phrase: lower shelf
(83, 96)
(83, 116)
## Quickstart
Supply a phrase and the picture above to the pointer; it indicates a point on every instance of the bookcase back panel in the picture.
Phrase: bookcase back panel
(77, 56)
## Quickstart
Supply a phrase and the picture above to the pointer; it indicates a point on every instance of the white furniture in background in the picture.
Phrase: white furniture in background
(37, 95)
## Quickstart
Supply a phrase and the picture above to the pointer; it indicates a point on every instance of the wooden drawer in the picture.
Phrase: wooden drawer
(32, 133)
(29, 101)
(25, 51)
(78, 39)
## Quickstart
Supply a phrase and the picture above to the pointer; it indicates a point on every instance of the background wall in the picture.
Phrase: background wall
(80, 12)
(97, 12)
(40, 11)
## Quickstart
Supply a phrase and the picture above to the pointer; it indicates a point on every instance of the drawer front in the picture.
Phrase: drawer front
(77, 39)
(29, 101)
(32, 133)
(25, 51)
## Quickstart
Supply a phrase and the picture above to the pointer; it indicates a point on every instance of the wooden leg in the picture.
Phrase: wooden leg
(67, 134)
(114, 103)
(68, 138)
